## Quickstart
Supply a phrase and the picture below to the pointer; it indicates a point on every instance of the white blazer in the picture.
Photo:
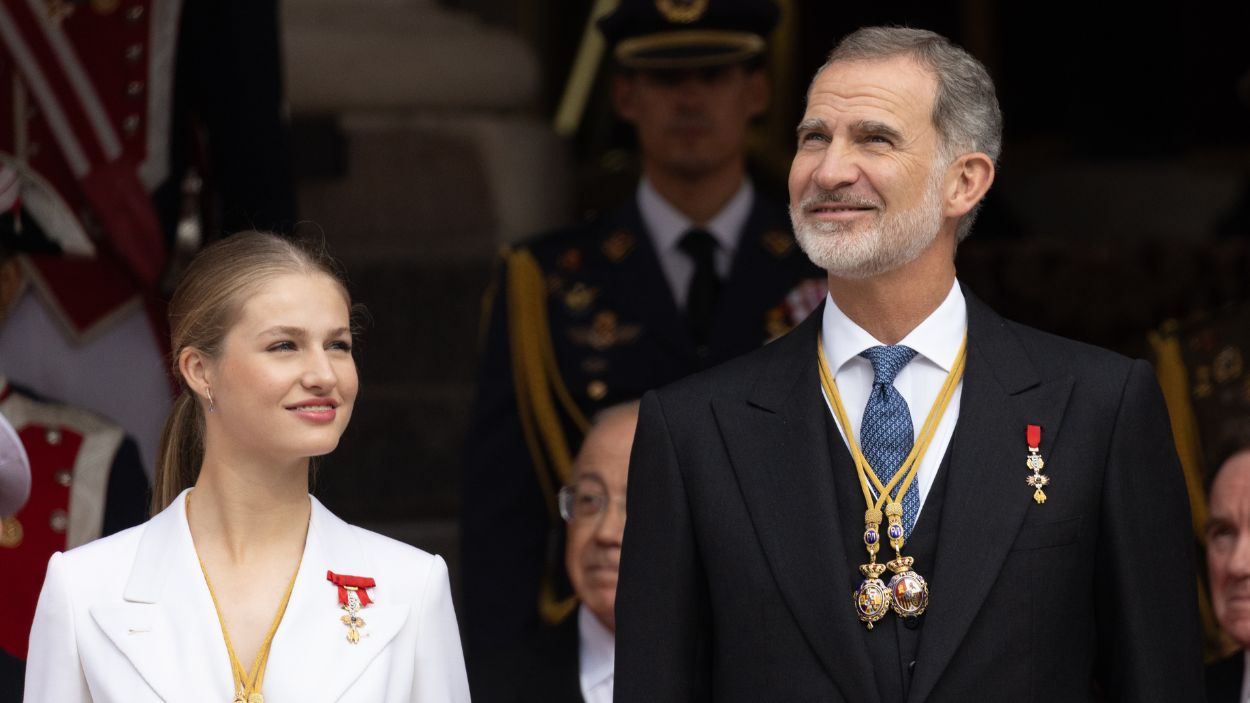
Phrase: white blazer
(129, 618)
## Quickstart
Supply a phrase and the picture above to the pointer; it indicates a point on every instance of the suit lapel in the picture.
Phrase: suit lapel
(778, 447)
(311, 637)
(986, 496)
(167, 616)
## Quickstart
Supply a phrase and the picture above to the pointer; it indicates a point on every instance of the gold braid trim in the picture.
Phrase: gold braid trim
(1174, 380)
(527, 325)
(537, 379)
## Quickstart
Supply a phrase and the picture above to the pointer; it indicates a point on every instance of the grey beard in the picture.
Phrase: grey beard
(862, 250)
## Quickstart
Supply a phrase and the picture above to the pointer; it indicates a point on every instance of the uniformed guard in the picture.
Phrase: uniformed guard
(695, 269)
(86, 482)
(96, 141)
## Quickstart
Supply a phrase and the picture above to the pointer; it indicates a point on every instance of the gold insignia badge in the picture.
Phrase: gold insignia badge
(618, 246)
(775, 324)
(777, 242)
(596, 389)
(10, 533)
(681, 11)
(1227, 364)
(570, 260)
(579, 297)
(604, 332)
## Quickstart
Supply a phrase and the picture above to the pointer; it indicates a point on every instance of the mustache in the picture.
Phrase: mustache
(838, 196)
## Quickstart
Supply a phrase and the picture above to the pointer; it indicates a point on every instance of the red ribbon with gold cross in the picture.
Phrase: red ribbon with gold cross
(352, 597)
(1033, 436)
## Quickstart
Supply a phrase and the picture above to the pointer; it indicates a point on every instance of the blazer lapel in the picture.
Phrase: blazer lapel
(312, 637)
(986, 496)
(778, 446)
(167, 616)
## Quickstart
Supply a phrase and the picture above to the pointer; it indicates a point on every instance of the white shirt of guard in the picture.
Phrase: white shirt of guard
(936, 341)
(596, 657)
(666, 226)
(128, 618)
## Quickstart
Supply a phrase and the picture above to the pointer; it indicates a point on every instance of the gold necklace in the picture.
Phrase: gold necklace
(247, 683)
(907, 594)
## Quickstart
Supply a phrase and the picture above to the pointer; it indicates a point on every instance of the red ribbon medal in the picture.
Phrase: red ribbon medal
(1033, 436)
(352, 597)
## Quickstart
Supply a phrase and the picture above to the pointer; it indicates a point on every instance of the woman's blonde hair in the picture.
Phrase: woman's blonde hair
(206, 303)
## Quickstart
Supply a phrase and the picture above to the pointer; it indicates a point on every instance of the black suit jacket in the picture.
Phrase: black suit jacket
(736, 578)
(545, 669)
(1224, 679)
(615, 333)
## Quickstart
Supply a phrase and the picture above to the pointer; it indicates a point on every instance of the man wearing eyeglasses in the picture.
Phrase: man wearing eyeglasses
(573, 662)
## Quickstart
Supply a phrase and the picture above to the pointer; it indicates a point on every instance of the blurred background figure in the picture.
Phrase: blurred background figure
(14, 490)
(132, 130)
(697, 266)
(1228, 569)
(85, 481)
(14, 470)
(573, 661)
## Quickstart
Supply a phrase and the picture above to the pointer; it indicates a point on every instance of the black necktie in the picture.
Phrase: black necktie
(700, 246)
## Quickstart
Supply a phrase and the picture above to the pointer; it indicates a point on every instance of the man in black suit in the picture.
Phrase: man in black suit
(1228, 569)
(697, 268)
(1022, 491)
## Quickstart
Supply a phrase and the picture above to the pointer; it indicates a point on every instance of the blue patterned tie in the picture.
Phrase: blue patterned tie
(885, 435)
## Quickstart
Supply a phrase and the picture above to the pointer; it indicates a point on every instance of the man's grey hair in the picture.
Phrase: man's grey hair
(965, 109)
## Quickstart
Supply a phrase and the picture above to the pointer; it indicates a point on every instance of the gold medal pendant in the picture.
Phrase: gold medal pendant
(352, 620)
(872, 598)
(909, 592)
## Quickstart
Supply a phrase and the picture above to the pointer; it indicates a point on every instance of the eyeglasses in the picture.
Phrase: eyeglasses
(586, 500)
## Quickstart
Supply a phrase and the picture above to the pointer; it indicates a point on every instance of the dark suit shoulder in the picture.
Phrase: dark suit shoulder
(1224, 678)
(544, 667)
(548, 246)
(738, 377)
(1065, 352)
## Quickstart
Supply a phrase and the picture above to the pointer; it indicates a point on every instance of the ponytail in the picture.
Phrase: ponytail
(181, 452)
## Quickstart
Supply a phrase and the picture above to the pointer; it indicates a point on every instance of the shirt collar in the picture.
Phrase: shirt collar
(596, 647)
(936, 338)
(667, 224)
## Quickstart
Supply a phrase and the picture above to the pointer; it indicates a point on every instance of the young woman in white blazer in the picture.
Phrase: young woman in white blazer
(244, 587)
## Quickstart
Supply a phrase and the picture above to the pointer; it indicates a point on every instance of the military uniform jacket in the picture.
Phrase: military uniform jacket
(581, 319)
(86, 481)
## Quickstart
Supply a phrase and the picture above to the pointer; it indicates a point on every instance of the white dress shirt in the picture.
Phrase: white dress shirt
(936, 341)
(666, 225)
(596, 657)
